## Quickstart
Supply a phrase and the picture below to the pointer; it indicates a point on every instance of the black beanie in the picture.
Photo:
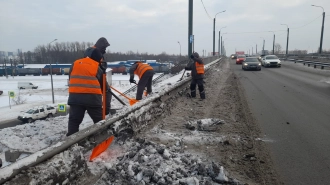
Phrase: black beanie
(96, 55)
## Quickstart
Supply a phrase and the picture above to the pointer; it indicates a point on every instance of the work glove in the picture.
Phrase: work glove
(192, 56)
(132, 81)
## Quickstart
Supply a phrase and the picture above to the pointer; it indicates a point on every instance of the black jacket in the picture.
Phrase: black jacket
(192, 67)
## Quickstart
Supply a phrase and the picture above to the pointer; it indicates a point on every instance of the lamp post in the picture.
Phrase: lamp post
(180, 49)
(273, 43)
(51, 73)
(263, 46)
(322, 29)
(287, 39)
(214, 30)
(220, 52)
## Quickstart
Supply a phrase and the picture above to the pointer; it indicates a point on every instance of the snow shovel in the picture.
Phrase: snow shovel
(101, 148)
(131, 100)
(104, 97)
(182, 76)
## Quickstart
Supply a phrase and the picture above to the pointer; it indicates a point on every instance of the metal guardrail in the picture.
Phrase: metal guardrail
(308, 62)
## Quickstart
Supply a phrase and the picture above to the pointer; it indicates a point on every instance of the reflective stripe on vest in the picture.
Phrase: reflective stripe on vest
(199, 68)
(141, 68)
(83, 77)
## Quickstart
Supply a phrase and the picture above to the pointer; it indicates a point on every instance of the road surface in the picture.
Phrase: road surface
(292, 105)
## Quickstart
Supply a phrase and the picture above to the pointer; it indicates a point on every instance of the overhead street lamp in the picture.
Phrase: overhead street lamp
(287, 39)
(256, 48)
(322, 28)
(273, 42)
(219, 46)
(180, 49)
(51, 72)
(214, 30)
(222, 44)
(263, 46)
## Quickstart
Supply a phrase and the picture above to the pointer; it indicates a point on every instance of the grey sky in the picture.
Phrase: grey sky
(156, 26)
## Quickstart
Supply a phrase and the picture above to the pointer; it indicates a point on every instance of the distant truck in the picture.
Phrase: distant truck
(37, 113)
(239, 52)
(26, 85)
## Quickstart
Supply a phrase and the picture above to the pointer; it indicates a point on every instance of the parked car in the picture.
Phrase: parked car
(1, 92)
(240, 59)
(270, 61)
(37, 113)
(26, 85)
(251, 63)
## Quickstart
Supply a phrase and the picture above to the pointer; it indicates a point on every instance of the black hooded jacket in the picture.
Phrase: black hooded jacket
(92, 100)
(191, 66)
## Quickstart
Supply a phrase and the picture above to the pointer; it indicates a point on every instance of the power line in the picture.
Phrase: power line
(255, 32)
(307, 23)
(206, 10)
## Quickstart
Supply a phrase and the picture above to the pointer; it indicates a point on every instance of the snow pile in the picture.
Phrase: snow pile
(150, 163)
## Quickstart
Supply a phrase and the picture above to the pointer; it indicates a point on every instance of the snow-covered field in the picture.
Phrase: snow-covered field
(33, 137)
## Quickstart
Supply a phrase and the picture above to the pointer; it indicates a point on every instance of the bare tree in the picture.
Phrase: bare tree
(277, 48)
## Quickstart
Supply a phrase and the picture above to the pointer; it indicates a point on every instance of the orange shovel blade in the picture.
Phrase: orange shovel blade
(101, 148)
(133, 101)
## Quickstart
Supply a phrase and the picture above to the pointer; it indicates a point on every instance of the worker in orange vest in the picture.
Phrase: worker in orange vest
(145, 73)
(85, 90)
(196, 65)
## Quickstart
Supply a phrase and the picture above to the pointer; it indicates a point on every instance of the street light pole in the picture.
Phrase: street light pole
(322, 29)
(220, 52)
(180, 50)
(273, 43)
(287, 39)
(51, 73)
(214, 31)
(263, 46)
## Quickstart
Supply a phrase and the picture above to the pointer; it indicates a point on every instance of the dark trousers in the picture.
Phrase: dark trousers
(145, 81)
(193, 84)
(77, 113)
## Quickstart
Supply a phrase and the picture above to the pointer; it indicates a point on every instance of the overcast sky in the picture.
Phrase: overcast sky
(156, 26)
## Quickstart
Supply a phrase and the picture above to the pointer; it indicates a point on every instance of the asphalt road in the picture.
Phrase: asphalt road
(292, 106)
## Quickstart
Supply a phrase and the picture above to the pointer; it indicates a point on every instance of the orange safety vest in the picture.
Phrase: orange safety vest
(141, 68)
(83, 77)
(199, 68)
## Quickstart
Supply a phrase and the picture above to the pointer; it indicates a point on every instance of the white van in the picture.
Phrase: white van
(26, 85)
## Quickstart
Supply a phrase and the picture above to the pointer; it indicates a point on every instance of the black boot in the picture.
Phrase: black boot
(201, 91)
(193, 93)
(202, 94)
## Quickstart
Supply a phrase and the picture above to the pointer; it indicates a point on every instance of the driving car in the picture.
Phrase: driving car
(233, 56)
(251, 63)
(1, 92)
(270, 61)
(240, 59)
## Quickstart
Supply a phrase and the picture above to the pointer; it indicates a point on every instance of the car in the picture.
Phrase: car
(233, 56)
(260, 57)
(240, 59)
(251, 63)
(1, 92)
(270, 61)
(37, 113)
